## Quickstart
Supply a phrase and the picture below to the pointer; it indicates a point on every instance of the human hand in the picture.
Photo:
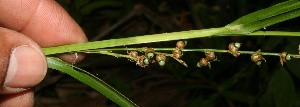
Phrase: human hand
(25, 27)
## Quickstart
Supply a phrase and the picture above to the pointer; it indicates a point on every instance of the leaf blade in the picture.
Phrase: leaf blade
(91, 81)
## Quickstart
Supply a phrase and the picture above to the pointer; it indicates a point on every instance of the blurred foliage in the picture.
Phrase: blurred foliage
(231, 82)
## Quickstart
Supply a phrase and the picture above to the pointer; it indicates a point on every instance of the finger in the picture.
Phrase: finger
(45, 21)
(23, 99)
(22, 63)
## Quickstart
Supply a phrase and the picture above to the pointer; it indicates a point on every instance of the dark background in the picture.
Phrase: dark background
(231, 82)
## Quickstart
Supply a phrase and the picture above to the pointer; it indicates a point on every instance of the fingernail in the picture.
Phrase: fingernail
(27, 67)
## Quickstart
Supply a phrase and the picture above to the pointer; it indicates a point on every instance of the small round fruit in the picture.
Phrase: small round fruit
(150, 55)
(162, 63)
(257, 58)
(146, 61)
(210, 56)
(149, 52)
(283, 57)
(134, 54)
(161, 59)
(288, 57)
(143, 61)
(180, 44)
(234, 48)
(177, 53)
(203, 62)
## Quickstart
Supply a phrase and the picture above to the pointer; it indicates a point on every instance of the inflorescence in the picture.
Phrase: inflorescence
(146, 56)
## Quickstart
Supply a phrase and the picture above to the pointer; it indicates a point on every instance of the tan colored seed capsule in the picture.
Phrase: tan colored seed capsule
(143, 61)
(283, 58)
(210, 56)
(148, 49)
(144, 49)
(257, 58)
(299, 48)
(203, 62)
(234, 48)
(180, 44)
(149, 52)
(134, 54)
(161, 59)
(177, 53)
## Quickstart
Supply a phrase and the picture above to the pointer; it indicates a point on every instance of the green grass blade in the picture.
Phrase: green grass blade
(91, 81)
(253, 26)
(266, 17)
(268, 12)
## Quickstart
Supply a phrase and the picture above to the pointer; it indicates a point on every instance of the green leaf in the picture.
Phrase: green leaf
(90, 80)
(281, 91)
(267, 13)
(266, 17)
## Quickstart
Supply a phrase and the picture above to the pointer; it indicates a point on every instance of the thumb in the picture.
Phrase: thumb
(22, 63)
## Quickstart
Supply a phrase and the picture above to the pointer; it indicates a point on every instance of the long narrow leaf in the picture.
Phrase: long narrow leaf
(268, 12)
(90, 80)
(253, 26)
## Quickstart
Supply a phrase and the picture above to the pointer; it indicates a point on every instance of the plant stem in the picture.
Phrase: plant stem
(134, 40)
(184, 50)
(157, 38)
(112, 54)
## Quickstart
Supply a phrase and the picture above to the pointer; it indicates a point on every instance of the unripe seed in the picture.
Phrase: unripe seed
(181, 44)
(177, 53)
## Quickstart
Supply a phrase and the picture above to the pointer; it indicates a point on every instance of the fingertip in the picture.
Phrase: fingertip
(27, 67)
(51, 25)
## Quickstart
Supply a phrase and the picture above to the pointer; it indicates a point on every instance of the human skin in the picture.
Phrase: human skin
(25, 27)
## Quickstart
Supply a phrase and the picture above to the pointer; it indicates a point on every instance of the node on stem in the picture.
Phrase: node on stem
(181, 44)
